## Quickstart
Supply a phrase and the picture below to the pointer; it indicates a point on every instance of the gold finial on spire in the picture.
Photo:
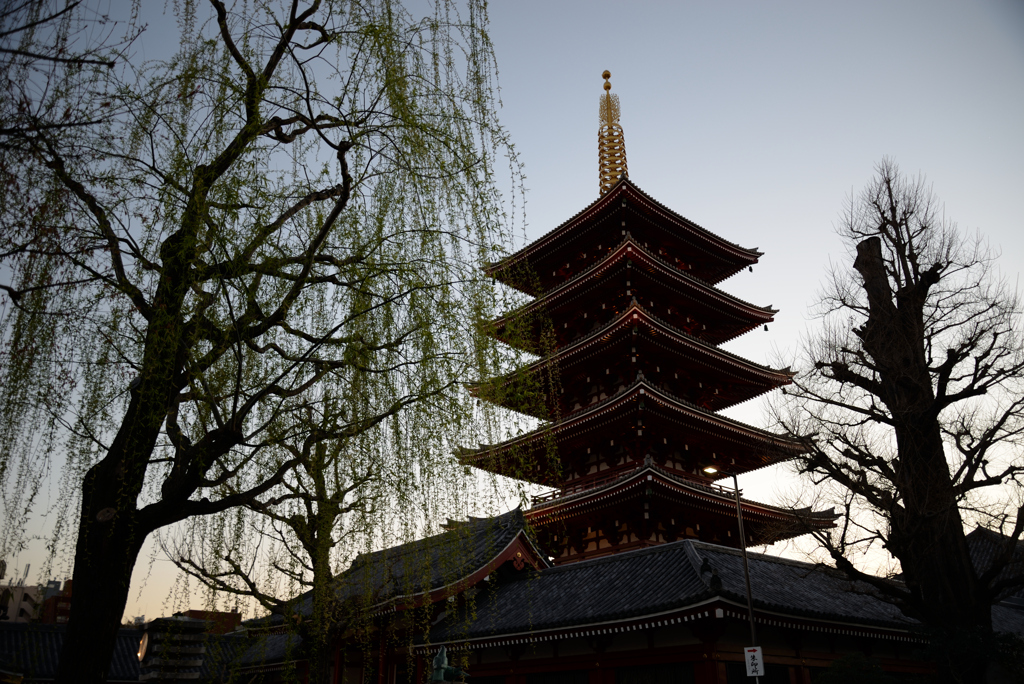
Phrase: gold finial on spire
(611, 144)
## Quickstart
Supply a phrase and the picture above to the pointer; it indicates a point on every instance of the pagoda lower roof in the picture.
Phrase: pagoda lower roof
(682, 284)
(723, 258)
(558, 506)
(754, 447)
(674, 342)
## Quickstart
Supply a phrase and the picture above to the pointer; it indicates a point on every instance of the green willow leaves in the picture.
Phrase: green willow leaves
(218, 264)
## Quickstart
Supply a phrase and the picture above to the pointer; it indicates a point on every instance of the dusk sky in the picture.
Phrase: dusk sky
(756, 120)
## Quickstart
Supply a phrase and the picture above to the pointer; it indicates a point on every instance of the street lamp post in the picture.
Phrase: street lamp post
(711, 470)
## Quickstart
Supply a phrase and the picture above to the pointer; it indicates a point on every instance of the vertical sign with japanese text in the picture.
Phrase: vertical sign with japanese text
(754, 660)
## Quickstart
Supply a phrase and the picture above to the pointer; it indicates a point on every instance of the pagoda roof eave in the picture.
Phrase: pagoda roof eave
(748, 256)
(637, 312)
(649, 473)
(640, 387)
(762, 314)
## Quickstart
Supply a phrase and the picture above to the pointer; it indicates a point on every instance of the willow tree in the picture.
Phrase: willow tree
(911, 407)
(299, 195)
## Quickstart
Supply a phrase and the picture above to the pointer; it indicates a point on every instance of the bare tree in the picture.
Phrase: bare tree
(911, 404)
(299, 196)
(327, 502)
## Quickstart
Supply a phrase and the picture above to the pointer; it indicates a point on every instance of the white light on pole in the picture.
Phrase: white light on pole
(711, 470)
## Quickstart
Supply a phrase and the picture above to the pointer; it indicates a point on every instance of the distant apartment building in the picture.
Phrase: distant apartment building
(56, 606)
(47, 603)
(20, 602)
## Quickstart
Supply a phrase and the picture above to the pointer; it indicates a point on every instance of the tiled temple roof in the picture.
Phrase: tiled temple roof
(658, 580)
(426, 565)
(34, 651)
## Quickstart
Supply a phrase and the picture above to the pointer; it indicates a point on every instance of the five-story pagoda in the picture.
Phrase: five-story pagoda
(625, 298)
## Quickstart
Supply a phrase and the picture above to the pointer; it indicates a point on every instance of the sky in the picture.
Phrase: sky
(757, 120)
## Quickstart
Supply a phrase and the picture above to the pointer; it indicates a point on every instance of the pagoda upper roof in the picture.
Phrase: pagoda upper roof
(675, 341)
(723, 258)
(630, 250)
(770, 447)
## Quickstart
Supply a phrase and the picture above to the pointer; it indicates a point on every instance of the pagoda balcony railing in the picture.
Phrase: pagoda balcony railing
(591, 484)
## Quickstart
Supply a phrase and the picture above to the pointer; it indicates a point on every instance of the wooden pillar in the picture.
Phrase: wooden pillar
(382, 659)
(709, 671)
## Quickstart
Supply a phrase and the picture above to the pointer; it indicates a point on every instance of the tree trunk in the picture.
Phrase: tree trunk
(927, 534)
(319, 647)
(105, 556)
(110, 535)
(931, 545)
(109, 540)
(324, 616)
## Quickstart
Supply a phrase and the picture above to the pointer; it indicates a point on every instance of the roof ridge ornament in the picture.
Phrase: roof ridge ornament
(611, 143)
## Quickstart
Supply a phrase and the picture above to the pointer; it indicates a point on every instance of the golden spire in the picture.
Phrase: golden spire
(611, 145)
